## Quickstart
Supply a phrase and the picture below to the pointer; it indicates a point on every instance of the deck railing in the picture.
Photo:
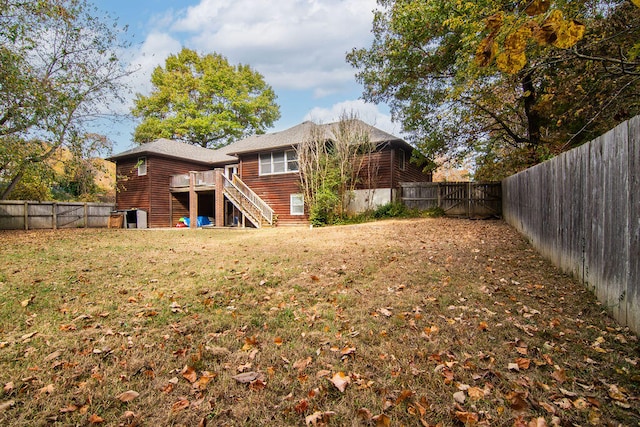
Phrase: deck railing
(202, 179)
(179, 181)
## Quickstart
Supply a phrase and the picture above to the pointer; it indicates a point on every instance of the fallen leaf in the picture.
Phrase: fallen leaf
(189, 373)
(128, 396)
(277, 341)
(385, 312)
(180, 405)
(382, 420)
(67, 409)
(53, 355)
(301, 407)
(318, 416)
(523, 362)
(340, 380)
(459, 396)
(538, 422)
(475, 393)
(95, 419)
(301, 364)
(257, 385)
(8, 387)
(48, 389)
(467, 417)
(364, 414)
(27, 301)
(559, 375)
(323, 373)
(248, 377)
(616, 394)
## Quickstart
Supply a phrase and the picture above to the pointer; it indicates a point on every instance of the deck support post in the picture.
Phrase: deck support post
(193, 201)
(219, 197)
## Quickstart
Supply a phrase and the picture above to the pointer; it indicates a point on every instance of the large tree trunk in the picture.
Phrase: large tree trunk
(534, 121)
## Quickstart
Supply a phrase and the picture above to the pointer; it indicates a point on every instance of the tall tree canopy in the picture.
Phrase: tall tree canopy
(58, 72)
(203, 100)
(510, 82)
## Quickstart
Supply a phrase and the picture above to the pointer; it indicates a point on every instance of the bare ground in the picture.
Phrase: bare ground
(413, 322)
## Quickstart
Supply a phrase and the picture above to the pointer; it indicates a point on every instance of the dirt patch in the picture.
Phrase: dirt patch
(413, 322)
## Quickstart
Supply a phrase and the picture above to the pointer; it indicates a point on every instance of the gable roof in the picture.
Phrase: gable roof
(178, 150)
(292, 136)
(285, 139)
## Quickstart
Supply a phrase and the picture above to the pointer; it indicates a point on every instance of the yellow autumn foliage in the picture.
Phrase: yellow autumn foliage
(537, 7)
(512, 59)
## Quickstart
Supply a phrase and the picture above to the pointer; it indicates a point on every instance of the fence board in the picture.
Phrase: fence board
(582, 211)
(472, 199)
(27, 215)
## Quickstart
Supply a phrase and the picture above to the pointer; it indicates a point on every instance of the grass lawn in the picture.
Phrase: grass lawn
(414, 322)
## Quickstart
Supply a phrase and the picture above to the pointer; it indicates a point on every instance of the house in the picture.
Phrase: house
(254, 181)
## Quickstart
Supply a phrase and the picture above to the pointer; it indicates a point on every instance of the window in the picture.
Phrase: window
(402, 161)
(142, 166)
(278, 162)
(297, 204)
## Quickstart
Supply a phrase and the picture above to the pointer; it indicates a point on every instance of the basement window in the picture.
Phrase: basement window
(297, 204)
(402, 161)
(142, 166)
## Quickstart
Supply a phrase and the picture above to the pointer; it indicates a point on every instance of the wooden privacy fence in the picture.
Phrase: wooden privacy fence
(26, 215)
(581, 210)
(471, 199)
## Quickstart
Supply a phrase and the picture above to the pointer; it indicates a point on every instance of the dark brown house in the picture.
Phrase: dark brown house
(254, 181)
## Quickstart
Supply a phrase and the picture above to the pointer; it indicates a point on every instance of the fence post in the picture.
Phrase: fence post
(26, 215)
(54, 216)
(86, 215)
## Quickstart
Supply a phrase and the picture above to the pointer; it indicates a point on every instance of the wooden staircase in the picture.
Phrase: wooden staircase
(256, 210)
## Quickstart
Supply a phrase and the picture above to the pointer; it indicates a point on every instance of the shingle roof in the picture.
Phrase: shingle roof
(265, 142)
(178, 150)
(292, 136)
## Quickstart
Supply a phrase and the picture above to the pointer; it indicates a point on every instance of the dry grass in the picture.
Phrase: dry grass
(431, 321)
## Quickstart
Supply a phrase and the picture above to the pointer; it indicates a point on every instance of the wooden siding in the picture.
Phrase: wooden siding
(382, 170)
(411, 172)
(276, 190)
(375, 171)
(151, 192)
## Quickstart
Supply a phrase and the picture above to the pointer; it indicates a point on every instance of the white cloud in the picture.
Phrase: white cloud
(295, 44)
(369, 113)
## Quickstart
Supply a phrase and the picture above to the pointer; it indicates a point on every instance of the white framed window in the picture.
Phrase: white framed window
(297, 204)
(278, 162)
(142, 166)
(402, 160)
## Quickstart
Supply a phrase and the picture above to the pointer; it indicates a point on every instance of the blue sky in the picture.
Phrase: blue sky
(299, 47)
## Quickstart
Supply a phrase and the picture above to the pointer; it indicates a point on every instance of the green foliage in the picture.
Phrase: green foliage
(58, 72)
(204, 100)
(391, 210)
(468, 78)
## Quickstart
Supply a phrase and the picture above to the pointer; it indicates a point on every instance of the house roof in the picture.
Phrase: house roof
(179, 150)
(255, 143)
(292, 136)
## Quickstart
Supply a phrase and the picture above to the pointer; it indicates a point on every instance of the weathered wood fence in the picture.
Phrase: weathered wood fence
(582, 211)
(28, 215)
(471, 199)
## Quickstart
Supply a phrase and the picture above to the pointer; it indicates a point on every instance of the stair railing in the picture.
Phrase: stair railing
(251, 197)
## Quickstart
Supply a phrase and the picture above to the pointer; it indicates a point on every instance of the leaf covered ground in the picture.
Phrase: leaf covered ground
(414, 322)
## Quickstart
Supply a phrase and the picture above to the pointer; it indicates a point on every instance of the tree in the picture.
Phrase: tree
(333, 159)
(508, 82)
(58, 73)
(203, 100)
